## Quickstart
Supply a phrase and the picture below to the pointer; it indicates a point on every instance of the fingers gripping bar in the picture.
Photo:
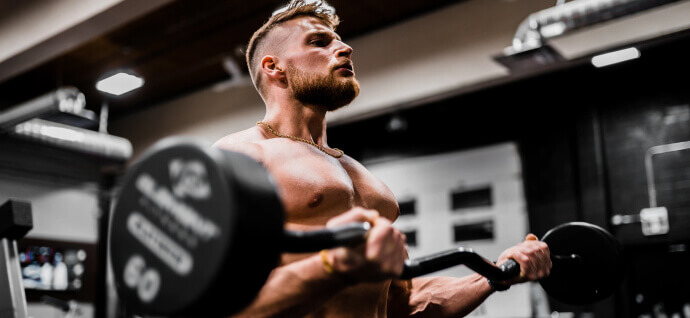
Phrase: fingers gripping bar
(353, 234)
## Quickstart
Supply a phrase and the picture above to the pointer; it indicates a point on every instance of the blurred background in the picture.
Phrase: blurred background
(488, 119)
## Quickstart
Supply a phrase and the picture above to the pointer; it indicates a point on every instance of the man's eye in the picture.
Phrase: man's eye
(318, 42)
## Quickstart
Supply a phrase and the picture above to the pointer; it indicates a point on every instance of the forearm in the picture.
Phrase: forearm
(295, 290)
(447, 296)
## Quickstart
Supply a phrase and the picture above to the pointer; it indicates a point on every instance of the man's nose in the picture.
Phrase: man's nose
(344, 50)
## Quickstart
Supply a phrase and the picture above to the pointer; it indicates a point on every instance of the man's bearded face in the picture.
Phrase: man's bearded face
(330, 90)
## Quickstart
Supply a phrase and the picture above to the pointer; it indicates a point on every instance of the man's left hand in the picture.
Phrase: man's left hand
(534, 259)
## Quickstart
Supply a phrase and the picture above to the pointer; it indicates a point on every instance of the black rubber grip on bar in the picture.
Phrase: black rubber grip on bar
(314, 241)
(510, 269)
(460, 256)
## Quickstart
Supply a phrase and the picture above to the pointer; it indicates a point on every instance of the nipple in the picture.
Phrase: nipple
(316, 200)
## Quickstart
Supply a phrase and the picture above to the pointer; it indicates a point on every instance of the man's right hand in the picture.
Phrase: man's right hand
(381, 257)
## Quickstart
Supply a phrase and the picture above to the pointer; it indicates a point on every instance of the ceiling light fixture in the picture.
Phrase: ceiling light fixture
(615, 57)
(119, 83)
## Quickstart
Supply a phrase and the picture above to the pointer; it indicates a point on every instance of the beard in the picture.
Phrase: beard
(326, 91)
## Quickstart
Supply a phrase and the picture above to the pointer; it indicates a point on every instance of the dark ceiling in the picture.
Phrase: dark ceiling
(181, 46)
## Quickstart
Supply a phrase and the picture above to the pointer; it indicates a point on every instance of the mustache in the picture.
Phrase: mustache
(347, 64)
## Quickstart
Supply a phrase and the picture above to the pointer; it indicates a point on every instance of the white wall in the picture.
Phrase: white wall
(46, 311)
(430, 180)
(435, 53)
(34, 31)
(59, 212)
(24, 24)
(647, 25)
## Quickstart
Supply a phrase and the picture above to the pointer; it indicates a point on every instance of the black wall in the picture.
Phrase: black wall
(582, 135)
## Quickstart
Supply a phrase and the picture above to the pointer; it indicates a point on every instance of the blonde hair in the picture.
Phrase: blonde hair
(295, 9)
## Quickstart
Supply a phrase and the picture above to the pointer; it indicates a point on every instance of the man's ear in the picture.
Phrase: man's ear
(269, 66)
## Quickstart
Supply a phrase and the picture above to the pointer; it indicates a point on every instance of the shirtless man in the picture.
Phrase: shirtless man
(302, 70)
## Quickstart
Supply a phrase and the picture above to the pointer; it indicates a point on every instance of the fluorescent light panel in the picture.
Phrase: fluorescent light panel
(119, 83)
(615, 57)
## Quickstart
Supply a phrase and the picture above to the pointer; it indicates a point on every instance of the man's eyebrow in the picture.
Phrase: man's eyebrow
(324, 33)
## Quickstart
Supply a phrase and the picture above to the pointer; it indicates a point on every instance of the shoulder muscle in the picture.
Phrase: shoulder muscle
(241, 145)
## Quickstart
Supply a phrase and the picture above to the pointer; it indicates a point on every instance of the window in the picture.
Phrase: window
(408, 207)
(411, 237)
(461, 199)
(474, 231)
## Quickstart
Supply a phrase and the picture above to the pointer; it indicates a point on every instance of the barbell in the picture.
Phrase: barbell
(195, 231)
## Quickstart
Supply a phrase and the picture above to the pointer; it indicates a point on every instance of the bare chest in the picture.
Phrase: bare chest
(314, 187)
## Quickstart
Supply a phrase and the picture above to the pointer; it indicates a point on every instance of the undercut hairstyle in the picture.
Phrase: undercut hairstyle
(295, 9)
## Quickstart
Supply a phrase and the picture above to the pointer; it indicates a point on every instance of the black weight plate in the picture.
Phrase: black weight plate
(255, 250)
(596, 275)
(180, 226)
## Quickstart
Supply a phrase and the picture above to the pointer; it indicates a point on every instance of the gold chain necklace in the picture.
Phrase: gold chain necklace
(340, 154)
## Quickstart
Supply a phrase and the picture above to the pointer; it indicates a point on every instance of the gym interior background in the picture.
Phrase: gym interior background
(479, 145)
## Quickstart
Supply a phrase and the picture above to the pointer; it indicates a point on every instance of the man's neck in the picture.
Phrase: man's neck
(298, 120)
